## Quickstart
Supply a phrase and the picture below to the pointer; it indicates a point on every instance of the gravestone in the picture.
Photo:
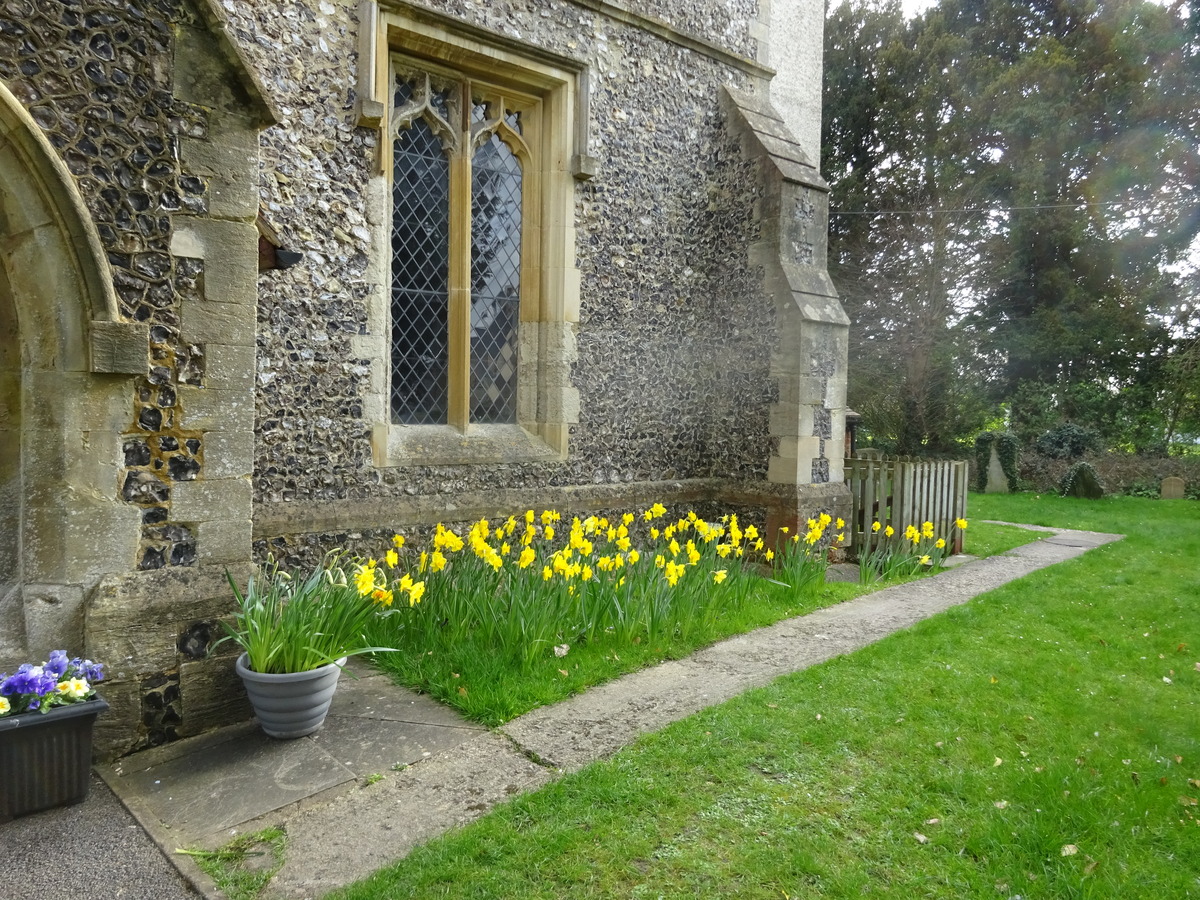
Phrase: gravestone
(997, 481)
(1081, 481)
(1172, 488)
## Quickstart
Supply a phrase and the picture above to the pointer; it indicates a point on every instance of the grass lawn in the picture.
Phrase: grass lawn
(1040, 741)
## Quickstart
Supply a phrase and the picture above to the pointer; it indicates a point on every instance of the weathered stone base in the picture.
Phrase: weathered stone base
(153, 631)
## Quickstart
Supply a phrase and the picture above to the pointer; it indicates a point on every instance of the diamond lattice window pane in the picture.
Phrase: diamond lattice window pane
(420, 267)
(495, 282)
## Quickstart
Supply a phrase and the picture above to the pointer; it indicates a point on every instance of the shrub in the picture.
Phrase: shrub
(1067, 441)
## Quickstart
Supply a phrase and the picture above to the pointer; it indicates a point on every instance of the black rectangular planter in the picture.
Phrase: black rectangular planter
(46, 758)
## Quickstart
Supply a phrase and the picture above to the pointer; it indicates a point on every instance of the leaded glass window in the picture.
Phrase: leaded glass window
(459, 181)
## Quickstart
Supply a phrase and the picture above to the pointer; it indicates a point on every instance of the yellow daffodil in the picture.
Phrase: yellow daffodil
(415, 593)
(770, 555)
(926, 561)
(382, 596)
(840, 524)
(889, 531)
(927, 529)
(393, 558)
(941, 544)
(875, 526)
(634, 556)
(398, 541)
(364, 578)
(526, 558)
(961, 524)
(548, 532)
(720, 575)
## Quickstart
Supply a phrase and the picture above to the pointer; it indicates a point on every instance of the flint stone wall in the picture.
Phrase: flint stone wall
(155, 118)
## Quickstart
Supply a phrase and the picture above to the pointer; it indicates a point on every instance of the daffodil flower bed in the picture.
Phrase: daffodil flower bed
(887, 556)
(559, 605)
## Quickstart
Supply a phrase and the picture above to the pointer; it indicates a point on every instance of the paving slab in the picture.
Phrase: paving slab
(228, 782)
(362, 831)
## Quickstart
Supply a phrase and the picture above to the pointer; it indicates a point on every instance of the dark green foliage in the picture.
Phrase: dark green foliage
(1067, 441)
(1008, 451)
(1081, 481)
(1013, 192)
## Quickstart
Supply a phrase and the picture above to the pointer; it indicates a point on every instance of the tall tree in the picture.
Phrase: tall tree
(1053, 147)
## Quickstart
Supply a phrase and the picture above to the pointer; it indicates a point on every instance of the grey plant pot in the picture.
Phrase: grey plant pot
(293, 704)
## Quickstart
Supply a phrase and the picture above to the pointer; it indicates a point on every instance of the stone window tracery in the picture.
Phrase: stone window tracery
(460, 176)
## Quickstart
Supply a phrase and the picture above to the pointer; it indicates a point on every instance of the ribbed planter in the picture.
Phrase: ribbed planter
(293, 704)
(46, 758)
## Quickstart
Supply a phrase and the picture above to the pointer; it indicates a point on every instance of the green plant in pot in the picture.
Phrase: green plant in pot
(296, 634)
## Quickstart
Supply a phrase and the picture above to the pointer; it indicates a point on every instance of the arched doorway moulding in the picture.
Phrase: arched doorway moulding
(62, 526)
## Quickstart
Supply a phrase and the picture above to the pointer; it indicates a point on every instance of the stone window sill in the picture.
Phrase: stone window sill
(443, 445)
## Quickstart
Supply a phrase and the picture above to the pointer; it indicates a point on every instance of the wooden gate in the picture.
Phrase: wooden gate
(901, 492)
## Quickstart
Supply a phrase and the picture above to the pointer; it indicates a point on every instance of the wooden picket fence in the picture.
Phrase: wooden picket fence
(903, 491)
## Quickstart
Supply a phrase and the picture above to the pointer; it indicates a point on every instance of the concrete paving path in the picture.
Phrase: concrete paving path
(438, 770)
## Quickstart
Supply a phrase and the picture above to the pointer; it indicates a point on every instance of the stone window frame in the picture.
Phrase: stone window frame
(461, 143)
(547, 402)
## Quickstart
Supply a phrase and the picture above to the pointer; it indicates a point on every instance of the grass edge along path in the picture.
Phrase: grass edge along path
(487, 688)
(445, 792)
(1039, 742)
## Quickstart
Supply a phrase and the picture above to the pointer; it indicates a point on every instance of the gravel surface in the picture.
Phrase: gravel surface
(94, 849)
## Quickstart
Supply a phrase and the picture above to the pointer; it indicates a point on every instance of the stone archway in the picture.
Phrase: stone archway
(61, 525)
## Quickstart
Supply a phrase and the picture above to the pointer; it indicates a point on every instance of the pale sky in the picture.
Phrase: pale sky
(916, 7)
